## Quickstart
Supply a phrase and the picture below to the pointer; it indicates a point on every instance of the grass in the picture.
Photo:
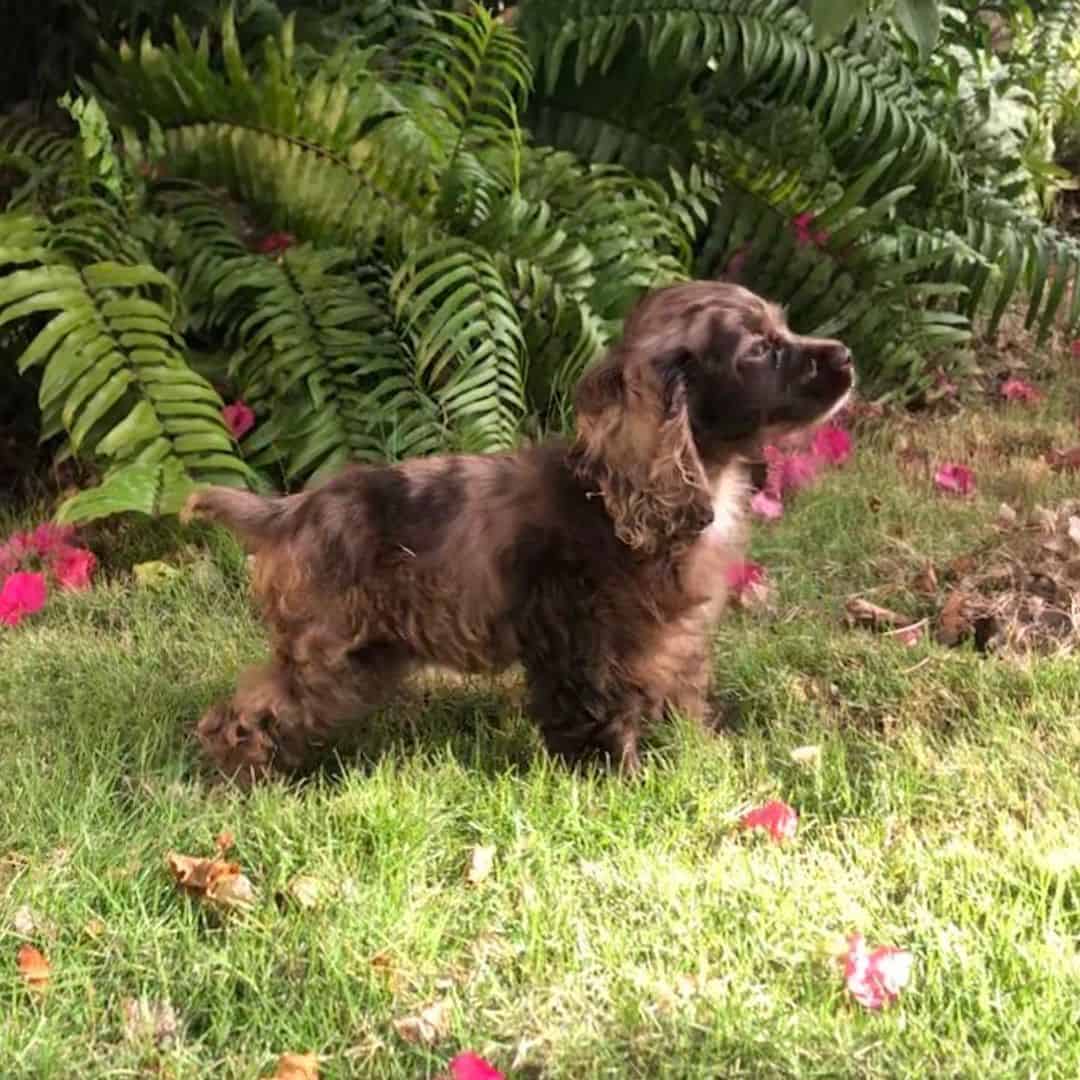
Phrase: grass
(626, 930)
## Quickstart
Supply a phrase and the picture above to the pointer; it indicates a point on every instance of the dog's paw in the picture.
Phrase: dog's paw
(237, 742)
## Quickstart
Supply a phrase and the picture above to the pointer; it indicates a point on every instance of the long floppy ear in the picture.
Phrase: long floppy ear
(634, 447)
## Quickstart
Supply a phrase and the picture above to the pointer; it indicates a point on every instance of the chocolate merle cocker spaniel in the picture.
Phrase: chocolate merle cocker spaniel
(599, 564)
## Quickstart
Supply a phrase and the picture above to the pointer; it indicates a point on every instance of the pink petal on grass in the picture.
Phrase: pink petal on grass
(777, 818)
(73, 567)
(875, 979)
(470, 1066)
(23, 594)
(832, 444)
(744, 575)
(49, 538)
(956, 479)
(787, 472)
(767, 506)
(1018, 390)
(239, 419)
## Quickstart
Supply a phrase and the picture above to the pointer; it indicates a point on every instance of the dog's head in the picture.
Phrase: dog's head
(705, 373)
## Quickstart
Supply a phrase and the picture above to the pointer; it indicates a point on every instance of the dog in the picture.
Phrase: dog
(598, 563)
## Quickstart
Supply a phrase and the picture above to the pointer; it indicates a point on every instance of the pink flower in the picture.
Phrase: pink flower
(957, 479)
(743, 576)
(23, 594)
(276, 242)
(833, 444)
(239, 419)
(767, 506)
(776, 817)
(788, 472)
(1013, 389)
(804, 235)
(48, 538)
(470, 1066)
(73, 567)
(875, 978)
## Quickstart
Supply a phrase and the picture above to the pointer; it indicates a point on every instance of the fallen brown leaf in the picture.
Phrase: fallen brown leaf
(296, 1067)
(430, 1025)
(1064, 460)
(149, 1021)
(926, 581)
(481, 861)
(861, 612)
(225, 840)
(954, 620)
(34, 968)
(219, 883)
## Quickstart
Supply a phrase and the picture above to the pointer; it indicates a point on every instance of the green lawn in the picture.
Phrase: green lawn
(626, 929)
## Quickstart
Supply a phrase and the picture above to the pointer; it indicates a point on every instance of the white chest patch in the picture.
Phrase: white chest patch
(728, 496)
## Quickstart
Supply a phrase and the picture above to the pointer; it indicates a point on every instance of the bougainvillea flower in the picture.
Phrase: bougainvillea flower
(956, 479)
(49, 538)
(743, 576)
(276, 242)
(802, 224)
(777, 818)
(23, 594)
(875, 978)
(833, 444)
(1017, 390)
(239, 418)
(766, 505)
(470, 1066)
(73, 567)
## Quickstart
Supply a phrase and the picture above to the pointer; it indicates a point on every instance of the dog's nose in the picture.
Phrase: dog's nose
(839, 358)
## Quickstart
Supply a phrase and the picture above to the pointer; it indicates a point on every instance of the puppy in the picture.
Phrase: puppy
(599, 564)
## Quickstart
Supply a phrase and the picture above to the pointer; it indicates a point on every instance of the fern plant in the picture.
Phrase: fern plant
(455, 238)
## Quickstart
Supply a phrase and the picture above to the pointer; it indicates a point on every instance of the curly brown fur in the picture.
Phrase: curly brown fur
(599, 565)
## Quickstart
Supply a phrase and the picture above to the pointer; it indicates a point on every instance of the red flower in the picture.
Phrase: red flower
(470, 1066)
(875, 978)
(276, 242)
(23, 594)
(833, 444)
(776, 818)
(1013, 389)
(73, 567)
(804, 235)
(239, 419)
(957, 479)
(767, 506)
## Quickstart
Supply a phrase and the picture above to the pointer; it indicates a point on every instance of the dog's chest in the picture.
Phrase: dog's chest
(722, 542)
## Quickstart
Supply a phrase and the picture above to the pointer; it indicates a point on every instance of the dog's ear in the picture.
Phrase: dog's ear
(636, 449)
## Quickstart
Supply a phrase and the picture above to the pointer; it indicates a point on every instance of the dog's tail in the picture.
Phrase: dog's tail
(255, 519)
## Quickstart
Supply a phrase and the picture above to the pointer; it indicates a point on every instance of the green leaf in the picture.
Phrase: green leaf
(921, 21)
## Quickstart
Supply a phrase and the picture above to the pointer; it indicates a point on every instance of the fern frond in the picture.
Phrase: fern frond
(114, 378)
(469, 351)
(866, 107)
